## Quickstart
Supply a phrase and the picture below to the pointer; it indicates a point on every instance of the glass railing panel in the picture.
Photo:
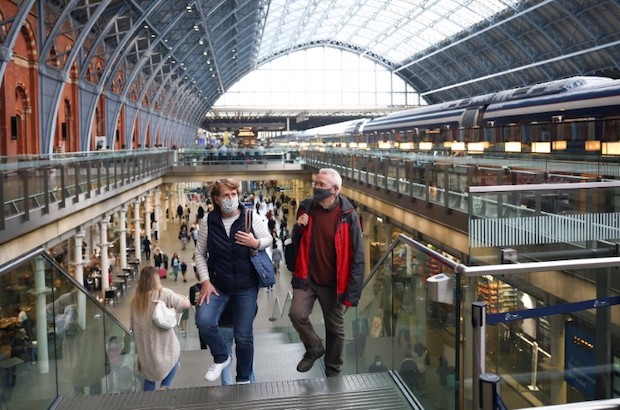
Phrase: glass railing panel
(409, 321)
(392, 184)
(83, 182)
(62, 347)
(542, 216)
(80, 348)
(404, 186)
(545, 348)
(418, 190)
(121, 375)
(372, 179)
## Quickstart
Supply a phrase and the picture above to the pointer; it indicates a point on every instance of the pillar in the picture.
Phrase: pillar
(40, 291)
(558, 385)
(468, 299)
(171, 208)
(147, 215)
(157, 204)
(136, 229)
(367, 239)
(123, 236)
(105, 263)
(388, 230)
(78, 262)
(179, 199)
(88, 245)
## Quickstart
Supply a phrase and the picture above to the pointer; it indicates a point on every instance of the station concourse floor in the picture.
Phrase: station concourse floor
(195, 362)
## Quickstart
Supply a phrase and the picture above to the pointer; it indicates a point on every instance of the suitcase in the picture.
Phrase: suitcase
(163, 273)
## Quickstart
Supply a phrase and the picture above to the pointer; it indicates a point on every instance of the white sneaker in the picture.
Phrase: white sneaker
(215, 370)
(245, 382)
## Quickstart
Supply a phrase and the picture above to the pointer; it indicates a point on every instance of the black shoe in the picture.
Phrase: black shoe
(308, 360)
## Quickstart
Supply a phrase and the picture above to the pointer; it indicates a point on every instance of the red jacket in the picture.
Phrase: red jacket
(349, 245)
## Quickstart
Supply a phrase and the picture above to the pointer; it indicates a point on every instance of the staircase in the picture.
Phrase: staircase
(279, 385)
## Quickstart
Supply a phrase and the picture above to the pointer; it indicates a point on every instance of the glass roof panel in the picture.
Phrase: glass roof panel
(393, 29)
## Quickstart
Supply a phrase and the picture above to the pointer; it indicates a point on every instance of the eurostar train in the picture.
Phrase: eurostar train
(577, 114)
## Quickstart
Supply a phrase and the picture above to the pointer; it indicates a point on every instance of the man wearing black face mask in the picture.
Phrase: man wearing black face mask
(328, 267)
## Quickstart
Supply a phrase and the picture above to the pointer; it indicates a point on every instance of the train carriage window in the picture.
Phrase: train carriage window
(611, 129)
(535, 132)
(511, 133)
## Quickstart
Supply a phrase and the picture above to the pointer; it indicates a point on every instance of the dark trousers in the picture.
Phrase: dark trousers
(301, 308)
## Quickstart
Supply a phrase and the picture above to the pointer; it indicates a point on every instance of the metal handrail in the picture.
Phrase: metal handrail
(277, 310)
(503, 269)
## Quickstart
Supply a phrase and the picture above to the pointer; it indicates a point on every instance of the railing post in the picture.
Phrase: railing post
(478, 324)
(489, 391)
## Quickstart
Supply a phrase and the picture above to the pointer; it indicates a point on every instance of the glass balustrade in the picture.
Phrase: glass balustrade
(56, 339)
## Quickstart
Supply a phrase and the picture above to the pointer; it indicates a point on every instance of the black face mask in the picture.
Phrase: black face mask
(321, 193)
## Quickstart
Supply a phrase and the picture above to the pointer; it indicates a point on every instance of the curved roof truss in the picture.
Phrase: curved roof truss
(181, 55)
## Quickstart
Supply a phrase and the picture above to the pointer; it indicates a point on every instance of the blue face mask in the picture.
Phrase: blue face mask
(229, 205)
(321, 193)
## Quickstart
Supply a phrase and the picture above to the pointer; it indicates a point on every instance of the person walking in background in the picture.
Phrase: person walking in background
(175, 262)
(447, 383)
(158, 257)
(194, 233)
(276, 256)
(184, 270)
(422, 360)
(194, 294)
(377, 366)
(180, 212)
(183, 235)
(146, 247)
(158, 349)
(183, 322)
(328, 266)
(115, 359)
(228, 277)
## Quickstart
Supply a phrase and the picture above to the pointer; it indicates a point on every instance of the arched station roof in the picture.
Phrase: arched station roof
(181, 56)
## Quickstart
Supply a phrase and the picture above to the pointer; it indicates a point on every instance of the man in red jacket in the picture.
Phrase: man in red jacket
(328, 266)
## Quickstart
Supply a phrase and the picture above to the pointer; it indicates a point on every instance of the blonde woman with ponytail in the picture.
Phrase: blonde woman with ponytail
(158, 349)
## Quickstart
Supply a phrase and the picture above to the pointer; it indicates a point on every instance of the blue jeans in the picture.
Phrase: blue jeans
(227, 379)
(244, 308)
(167, 382)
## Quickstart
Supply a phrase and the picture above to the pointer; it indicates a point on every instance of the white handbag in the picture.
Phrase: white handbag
(163, 316)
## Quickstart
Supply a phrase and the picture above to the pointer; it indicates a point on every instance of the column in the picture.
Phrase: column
(388, 229)
(468, 299)
(157, 204)
(558, 384)
(105, 263)
(78, 262)
(136, 229)
(171, 208)
(123, 236)
(88, 245)
(367, 239)
(179, 198)
(40, 291)
(147, 215)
